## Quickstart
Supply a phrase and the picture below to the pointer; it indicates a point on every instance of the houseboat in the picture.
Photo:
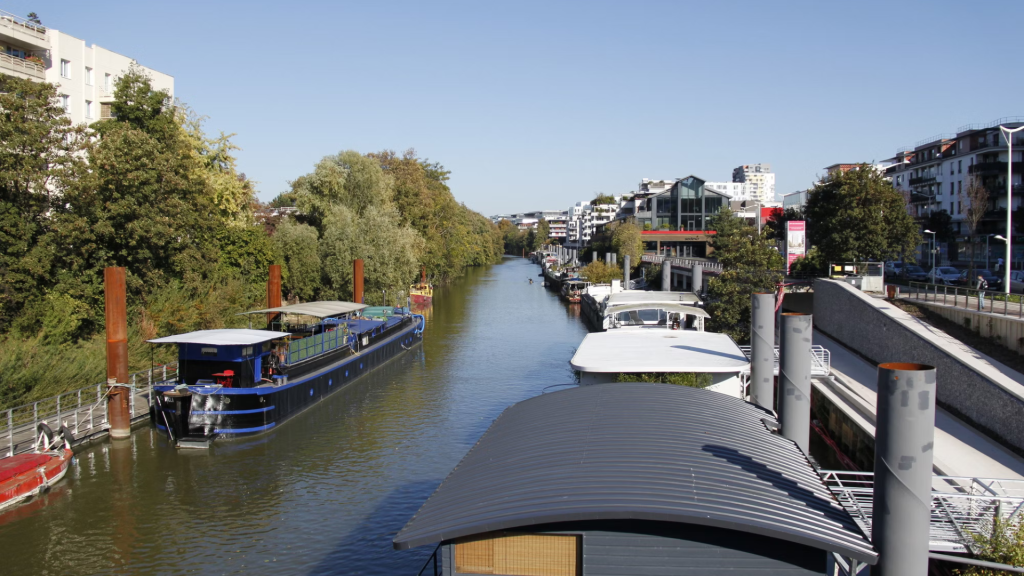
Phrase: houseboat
(573, 289)
(600, 299)
(422, 293)
(667, 316)
(237, 382)
(24, 476)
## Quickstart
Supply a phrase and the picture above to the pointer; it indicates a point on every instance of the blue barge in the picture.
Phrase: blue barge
(236, 382)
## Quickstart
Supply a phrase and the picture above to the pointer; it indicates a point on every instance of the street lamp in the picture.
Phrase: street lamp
(932, 250)
(1007, 133)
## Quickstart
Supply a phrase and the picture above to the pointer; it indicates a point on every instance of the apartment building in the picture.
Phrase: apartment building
(84, 74)
(734, 190)
(758, 182)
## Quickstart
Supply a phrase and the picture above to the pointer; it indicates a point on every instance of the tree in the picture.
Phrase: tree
(940, 222)
(232, 193)
(601, 273)
(775, 227)
(543, 232)
(602, 198)
(858, 215)
(298, 246)
(973, 205)
(34, 18)
(627, 241)
(750, 264)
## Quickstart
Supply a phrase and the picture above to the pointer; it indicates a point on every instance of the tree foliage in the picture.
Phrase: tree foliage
(858, 215)
(627, 241)
(602, 198)
(775, 227)
(600, 273)
(750, 264)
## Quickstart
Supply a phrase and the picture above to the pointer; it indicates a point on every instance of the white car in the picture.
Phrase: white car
(943, 275)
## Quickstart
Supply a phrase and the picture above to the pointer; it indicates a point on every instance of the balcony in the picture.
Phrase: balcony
(916, 198)
(922, 180)
(993, 168)
(20, 31)
(21, 67)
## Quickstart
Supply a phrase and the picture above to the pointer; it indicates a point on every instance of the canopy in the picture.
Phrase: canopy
(225, 337)
(646, 297)
(680, 308)
(638, 351)
(319, 309)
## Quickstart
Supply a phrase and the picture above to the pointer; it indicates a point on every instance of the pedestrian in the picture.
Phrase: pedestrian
(999, 266)
(981, 286)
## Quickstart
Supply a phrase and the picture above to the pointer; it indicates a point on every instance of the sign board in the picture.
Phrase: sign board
(796, 241)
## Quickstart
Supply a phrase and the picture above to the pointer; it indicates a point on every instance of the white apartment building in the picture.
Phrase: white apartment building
(734, 190)
(84, 74)
(758, 182)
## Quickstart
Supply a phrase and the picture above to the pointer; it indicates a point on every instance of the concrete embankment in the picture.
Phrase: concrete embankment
(986, 394)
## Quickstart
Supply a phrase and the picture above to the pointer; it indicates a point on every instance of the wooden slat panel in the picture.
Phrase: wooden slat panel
(520, 555)
(476, 557)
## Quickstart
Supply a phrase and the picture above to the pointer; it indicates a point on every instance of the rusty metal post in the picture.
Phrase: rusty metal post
(274, 293)
(423, 275)
(117, 352)
(357, 281)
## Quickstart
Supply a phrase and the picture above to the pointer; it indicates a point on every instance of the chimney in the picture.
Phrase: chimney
(357, 281)
(117, 352)
(904, 442)
(795, 378)
(762, 350)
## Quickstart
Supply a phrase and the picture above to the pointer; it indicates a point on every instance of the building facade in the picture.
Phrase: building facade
(758, 182)
(84, 74)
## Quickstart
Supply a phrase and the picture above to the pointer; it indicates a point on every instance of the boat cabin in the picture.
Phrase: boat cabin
(670, 316)
(229, 358)
(637, 479)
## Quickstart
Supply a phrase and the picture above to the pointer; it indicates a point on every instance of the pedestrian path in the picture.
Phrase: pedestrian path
(960, 450)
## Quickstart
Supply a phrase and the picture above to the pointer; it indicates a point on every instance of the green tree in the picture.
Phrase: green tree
(627, 241)
(775, 227)
(541, 237)
(601, 273)
(232, 193)
(298, 246)
(602, 198)
(750, 264)
(858, 215)
(940, 222)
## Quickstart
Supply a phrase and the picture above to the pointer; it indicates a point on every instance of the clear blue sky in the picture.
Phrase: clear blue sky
(539, 105)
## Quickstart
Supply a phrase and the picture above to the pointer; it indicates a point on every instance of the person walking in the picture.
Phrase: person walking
(981, 285)
(999, 266)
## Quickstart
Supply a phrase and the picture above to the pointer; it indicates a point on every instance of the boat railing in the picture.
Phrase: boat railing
(821, 360)
(310, 346)
(83, 411)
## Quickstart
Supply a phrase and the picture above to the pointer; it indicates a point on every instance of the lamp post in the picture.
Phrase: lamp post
(1008, 133)
(932, 251)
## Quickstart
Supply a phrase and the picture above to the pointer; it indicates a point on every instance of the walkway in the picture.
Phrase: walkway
(959, 449)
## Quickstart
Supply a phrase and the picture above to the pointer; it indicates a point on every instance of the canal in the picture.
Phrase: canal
(326, 492)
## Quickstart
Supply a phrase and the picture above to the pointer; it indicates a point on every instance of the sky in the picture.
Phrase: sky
(538, 105)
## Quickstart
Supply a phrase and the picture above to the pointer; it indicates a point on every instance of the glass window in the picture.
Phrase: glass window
(88, 109)
(959, 166)
(106, 83)
(65, 102)
(65, 68)
(88, 76)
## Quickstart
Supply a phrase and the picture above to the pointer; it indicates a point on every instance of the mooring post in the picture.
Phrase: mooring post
(666, 276)
(795, 378)
(117, 352)
(357, 281)
(697, 279)
(274, 294)
(625, 272)
(762, 350)
(595, 256)
(904, 446)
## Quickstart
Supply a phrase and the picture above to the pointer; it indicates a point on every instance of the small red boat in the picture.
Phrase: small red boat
(24, 476)
(422, 293)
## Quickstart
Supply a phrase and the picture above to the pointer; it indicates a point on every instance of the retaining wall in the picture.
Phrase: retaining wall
(1006, 330)
(968, 386)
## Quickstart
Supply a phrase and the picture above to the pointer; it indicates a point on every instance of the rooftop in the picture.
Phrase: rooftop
(651, 297)
(653, 452)
(224, 337)
(321, 309)
(631, 352)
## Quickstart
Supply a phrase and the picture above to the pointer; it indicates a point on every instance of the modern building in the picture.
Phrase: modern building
(84, 74)
(676, 221)
(633, 478)
(758, 181)
(734, 190)
(795, 200)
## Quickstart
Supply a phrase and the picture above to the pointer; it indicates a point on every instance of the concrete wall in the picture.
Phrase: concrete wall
(1006, 330)
(975, 391)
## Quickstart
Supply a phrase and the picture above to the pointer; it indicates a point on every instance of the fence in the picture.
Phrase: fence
(84, 410)
(961, 298)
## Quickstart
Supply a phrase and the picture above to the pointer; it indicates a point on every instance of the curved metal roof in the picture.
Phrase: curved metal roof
(223, 337)
(681, 308)
(318, 309)
(635, 451)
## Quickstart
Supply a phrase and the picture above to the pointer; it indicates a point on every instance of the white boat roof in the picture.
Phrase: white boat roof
(321, 309)
(640, 351)
(224, 337)
(649, 297)
(680, 308)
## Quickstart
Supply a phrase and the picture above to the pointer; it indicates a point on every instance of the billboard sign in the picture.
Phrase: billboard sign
(796, 241)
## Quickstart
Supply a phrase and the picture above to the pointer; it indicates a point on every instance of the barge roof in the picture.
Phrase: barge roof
(681, 308)
(635, 451)
(224, 337)
(651, 297)
(632, 351)
(321, 309)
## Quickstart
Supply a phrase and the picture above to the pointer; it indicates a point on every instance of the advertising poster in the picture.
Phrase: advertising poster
(796, 241)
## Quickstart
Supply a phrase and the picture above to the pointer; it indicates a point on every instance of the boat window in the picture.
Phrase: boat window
(651, 315)
(208, 351)
(247, 351)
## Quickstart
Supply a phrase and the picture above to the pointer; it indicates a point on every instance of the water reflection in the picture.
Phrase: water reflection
(325, 492)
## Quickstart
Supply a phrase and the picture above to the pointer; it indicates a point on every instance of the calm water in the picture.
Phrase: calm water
(326, 492)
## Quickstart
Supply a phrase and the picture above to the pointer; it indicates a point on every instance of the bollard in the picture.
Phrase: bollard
(357, 281)
(615, 259)
(762, 350)
(116, 315)
(608, 258)
(697, 277)
(595, 256)
(625, 272)
(904, 442)
(795, 378)
(666, 276)
(274, 294)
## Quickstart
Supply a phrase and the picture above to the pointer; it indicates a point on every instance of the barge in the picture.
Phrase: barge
(240, 382)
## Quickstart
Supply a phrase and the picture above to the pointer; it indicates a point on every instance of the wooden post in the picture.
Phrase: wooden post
(357, 281)
(274, 293)
(117, 352)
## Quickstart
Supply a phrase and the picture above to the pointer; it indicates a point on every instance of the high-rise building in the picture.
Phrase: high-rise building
(84, 74)
(758, 181)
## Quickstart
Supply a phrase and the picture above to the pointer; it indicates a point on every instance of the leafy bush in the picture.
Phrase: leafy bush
(690, 379)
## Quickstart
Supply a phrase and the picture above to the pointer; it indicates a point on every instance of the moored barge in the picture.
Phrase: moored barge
(236, 382)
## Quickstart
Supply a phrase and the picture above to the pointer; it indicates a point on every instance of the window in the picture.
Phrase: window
(88, 108)
(106, 83)
(950, 188)
(950, 168)
(65, 69)
(208, 351)
(520, 555)
(65, 102)
(959, 166)
(951, 208)
(88, 76)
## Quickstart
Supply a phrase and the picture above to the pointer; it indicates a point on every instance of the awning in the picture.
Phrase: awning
(680, 308)
(318, 309)
(225, 337)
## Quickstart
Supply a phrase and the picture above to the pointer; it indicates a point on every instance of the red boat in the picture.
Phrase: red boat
(421, 293)
(24, 476)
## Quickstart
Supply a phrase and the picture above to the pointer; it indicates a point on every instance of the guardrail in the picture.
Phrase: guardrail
(821, 360)
(84, 410)
(962, 298)
(684, 263)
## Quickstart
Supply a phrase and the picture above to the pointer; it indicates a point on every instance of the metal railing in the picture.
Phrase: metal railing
(684, 263)
(821, 360)
(8, 19)
(994, 301)
(22, 65)
(84, 410)
(992, 124)
(961, 507)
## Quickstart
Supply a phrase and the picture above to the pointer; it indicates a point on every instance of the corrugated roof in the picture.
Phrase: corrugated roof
(318, 309)
(225, 337)
(653, 452)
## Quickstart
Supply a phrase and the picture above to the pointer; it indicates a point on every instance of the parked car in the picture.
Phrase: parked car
(966, 279)
(893, 268)
(912, 272)
(1017, 281)
(943, 275)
